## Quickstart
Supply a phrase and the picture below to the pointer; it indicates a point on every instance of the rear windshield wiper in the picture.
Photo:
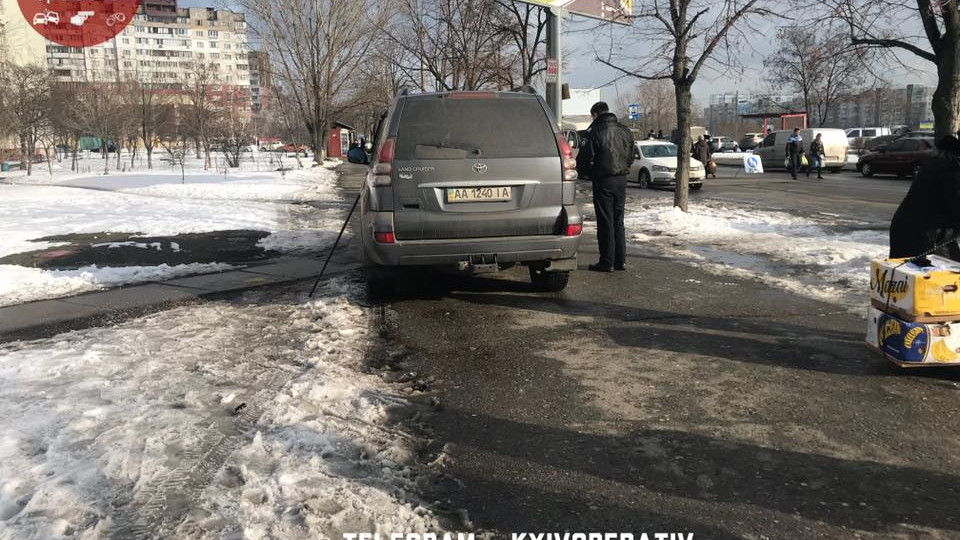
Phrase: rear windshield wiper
(443, 146)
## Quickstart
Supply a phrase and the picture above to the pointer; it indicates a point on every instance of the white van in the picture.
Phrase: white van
(773, 149)
(857, 137)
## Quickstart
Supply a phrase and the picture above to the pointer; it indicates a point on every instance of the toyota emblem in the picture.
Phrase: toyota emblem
(480, 168)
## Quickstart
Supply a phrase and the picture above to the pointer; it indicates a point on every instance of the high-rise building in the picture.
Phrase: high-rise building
(165, 49)
(261, 82)
(19, 43)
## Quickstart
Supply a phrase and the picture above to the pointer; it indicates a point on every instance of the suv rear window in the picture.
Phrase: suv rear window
(444, 128)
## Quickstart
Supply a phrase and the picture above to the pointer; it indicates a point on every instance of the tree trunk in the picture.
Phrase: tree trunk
(319, 137)
(946, 98)
(149, 150)
(106, 156)
(682, 92)
(24, 158)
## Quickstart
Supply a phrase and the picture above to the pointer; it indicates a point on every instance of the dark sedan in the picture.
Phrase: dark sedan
(901, 157)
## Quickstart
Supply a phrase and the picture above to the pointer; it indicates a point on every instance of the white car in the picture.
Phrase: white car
(655, 164)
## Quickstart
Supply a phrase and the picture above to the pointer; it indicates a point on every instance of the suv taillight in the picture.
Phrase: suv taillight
(566, 155)
(383, 170)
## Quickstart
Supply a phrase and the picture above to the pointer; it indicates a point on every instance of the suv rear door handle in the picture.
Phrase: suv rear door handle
(410, 204)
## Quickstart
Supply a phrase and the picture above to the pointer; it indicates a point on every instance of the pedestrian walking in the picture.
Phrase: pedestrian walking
(794, 150)
(702, 153)
(660, 134)
(605, 159)
(929, 216)
(815, 156)
(650, 136)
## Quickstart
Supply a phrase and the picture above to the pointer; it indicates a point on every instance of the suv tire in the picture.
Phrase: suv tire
(548, 281)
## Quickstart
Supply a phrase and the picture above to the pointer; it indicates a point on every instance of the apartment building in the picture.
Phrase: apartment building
(260, 81)
(164, 46)
(19, 43)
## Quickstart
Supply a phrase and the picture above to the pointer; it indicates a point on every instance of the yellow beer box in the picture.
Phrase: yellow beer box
(917, 293)
(912, 344)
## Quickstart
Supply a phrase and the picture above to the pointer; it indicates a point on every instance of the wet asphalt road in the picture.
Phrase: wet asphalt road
(665, 399)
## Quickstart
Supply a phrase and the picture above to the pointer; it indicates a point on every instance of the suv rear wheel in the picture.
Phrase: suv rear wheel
(548, 281)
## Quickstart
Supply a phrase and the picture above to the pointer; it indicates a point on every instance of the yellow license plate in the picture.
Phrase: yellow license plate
(479, 194)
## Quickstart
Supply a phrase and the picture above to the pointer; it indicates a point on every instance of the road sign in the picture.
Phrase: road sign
(617, 11)
(752, 164)
(634, 111)
(552, 70)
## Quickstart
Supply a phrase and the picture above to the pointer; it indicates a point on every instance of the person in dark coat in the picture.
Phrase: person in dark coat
(794, 150)
(702, 153)
(929, 216)
(660, 134)
(605, 159)
(816, 154)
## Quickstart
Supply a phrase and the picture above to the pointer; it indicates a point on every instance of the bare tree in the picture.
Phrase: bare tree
(66, 120)
(526, 25)
(199, 112)
(97, 114)
(453, 44)
(316, 48)
(26, 101)
(154, 111)
(657, 101)
(234, 125)
(682, 37)
(888, 26)
(822, 67)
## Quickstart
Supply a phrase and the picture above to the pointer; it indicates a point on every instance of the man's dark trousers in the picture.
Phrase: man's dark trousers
(609, 199)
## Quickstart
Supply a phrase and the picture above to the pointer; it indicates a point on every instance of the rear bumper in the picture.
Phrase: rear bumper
(669, 179)
(453, 251)
(511, 249)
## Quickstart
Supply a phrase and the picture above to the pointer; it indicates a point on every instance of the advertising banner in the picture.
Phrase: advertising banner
(617, 11)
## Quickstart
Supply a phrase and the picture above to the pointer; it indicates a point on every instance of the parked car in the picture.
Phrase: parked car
(773, 154)
(723, 144)
(750, 141)
(270, 146)
(877, 142)
(291, 148)
(901, 157)
(655, 164)
(474, 181)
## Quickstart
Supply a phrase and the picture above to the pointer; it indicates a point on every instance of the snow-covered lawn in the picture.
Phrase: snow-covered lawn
(818, 258)
(155, 203)
(246, 419)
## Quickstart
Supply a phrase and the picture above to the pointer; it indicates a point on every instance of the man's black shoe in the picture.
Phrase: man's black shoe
(599, 268)
(620, 267)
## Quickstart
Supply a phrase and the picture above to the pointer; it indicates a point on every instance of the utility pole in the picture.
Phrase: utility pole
(554, 89)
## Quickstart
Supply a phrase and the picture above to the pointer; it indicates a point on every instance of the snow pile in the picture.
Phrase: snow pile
(19, 284)
(243, 420)
(157, 204)
(817, 258)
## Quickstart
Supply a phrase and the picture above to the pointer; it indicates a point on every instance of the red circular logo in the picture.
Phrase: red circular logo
(78, 23)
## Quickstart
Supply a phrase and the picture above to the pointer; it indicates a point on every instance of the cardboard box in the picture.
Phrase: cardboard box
(917, 293)
(912, 344)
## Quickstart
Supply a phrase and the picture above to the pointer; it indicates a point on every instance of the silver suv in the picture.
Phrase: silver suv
(477, 181)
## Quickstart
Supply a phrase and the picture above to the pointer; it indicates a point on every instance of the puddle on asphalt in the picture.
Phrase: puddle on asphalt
(129, 249)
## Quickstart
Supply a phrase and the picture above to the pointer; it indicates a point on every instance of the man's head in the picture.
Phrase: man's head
(700, 138)
(796, 131)
(599, 108)
(819, 135)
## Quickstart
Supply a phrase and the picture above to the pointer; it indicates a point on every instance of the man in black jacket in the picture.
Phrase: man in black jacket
(928, 219)
(605, 159)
